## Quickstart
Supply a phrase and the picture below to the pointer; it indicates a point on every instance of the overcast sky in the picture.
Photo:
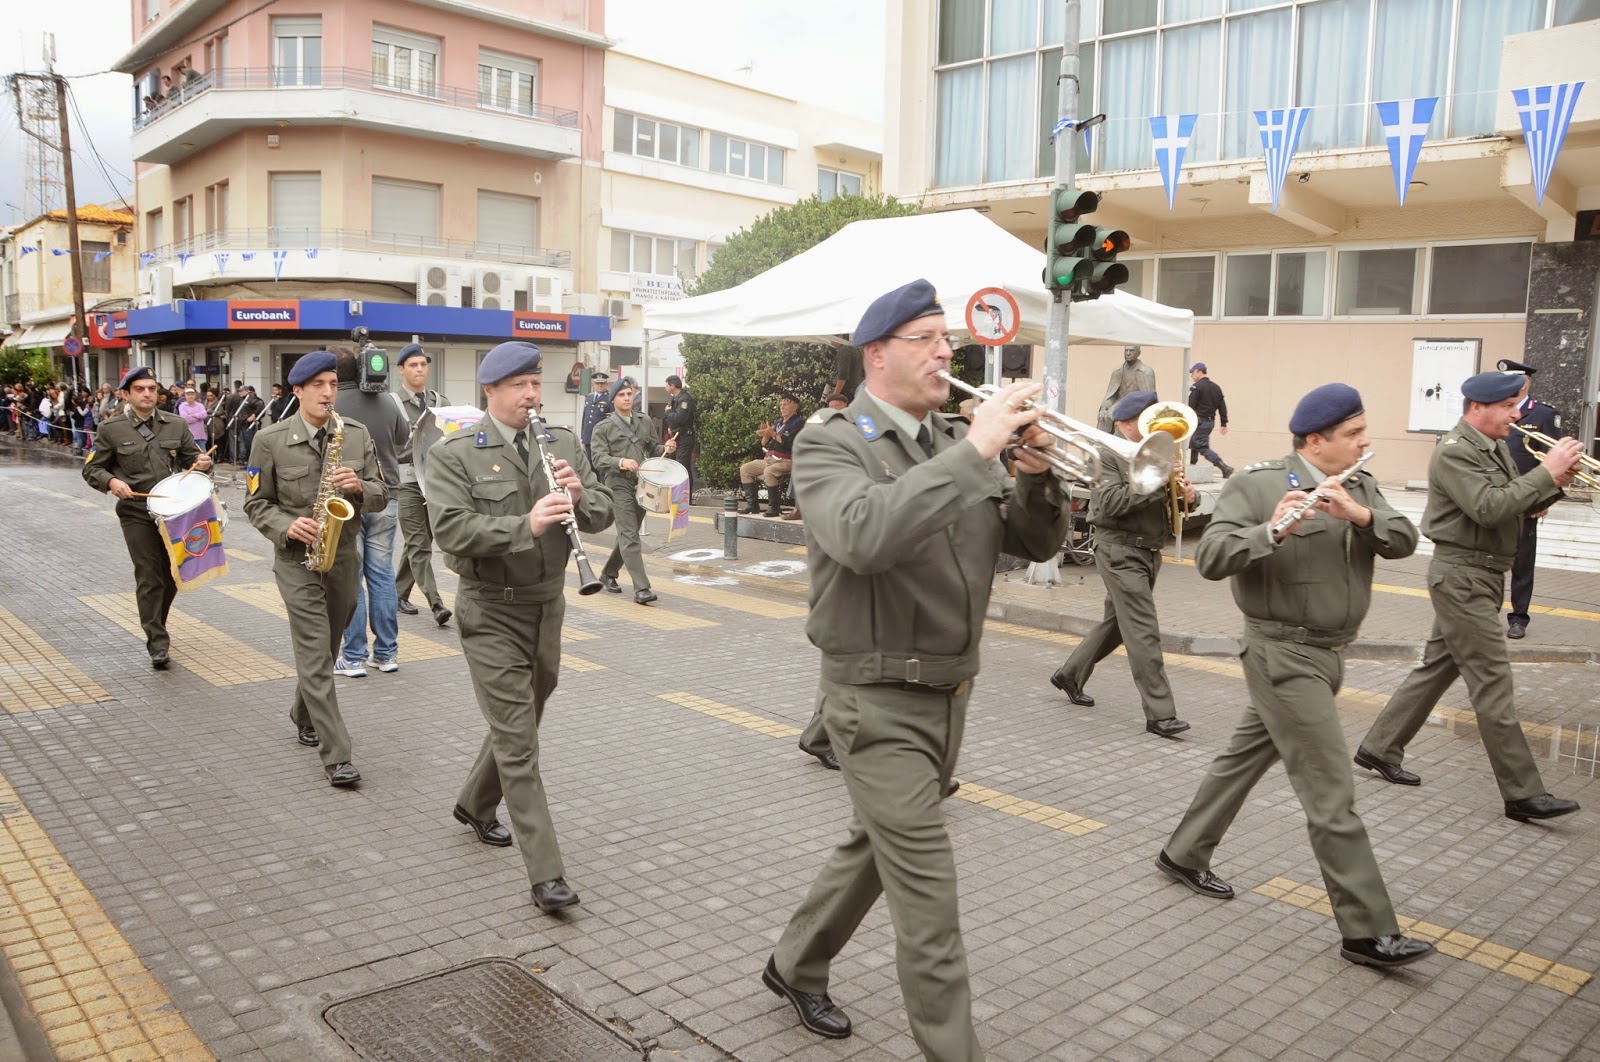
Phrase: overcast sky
(829, 52)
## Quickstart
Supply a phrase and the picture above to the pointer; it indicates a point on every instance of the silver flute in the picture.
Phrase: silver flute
(1311, 499)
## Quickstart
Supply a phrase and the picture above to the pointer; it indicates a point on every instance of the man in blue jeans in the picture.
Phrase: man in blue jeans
(377, 603)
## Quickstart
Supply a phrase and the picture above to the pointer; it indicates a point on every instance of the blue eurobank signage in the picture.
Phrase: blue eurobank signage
(171, 321)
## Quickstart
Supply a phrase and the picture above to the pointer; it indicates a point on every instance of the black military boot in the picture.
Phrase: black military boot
(752, 504)
(774, 500)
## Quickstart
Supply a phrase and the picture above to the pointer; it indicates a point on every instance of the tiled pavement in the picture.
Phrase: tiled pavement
(238, 895)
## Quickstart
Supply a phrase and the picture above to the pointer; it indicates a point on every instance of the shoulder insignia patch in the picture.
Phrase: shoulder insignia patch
(252, 479)
(88, 456)
(1294, 481)
(869, 430)
(482, 439)
(1451, 440)
(818, 417)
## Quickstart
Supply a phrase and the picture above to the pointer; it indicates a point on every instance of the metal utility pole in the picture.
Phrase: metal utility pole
(76, 256)
(1056, 321)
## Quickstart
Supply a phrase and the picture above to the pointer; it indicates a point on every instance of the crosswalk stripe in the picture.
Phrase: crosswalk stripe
(35, 676)
(218, 658)
(265, 596)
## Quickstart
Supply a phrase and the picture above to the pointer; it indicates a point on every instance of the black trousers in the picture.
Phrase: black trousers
(1200, 444)
(1522, 573)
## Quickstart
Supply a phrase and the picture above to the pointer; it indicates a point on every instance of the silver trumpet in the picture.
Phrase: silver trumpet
(1310, 500)
(1076, 456)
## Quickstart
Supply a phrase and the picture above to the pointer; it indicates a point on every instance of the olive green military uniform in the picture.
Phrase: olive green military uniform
(281, 483)
(509, 606)
(610, 445)
(1476, 505)
(902, 548)
(121, 452)
(1131, 530)
(1303, 601)
(416, 552)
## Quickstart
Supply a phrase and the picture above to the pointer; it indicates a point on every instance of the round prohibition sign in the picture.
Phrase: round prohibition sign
(72, 346)
(993, 317)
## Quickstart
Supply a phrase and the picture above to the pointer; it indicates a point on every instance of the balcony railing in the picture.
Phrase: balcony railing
(341, 77)
(19, 303)
(266, 240)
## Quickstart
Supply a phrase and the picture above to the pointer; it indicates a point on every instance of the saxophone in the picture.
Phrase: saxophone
(331, 510)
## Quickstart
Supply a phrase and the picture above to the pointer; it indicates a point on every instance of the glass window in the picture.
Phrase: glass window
(644, 137)
(736, 154)
(96, 275)
(1050, 105)
(1009, 154)
(1479, 278)
(756, 161)
(827, 184)
(642, 246)
(1123, 15)
(1184, 10)
(1484, 25)
(960, 126)
(297, 51)
(1334, 87)
(719, 153)
(1141, 277)
(1377, 282)
(404, 61)
(1189, 84)
(684, 263)
(667, 142)
(621, 252)
(1055, 21)
(1250, 5)
(1411, 56)
(774, 165)
(1259, 49)
(1247, 285)
(1302, 284)
(508, 82)
(1128, 90)
(1014, 25)
(960, 30)
(1187, 282)
(1570, 11)
(689, 149)
(621, 133)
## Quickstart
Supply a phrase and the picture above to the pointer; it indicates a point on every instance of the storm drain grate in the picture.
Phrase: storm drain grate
(489, 1009)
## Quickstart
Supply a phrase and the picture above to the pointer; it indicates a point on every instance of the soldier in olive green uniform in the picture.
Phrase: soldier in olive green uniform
(619, 443)
(286, 465)
(1130, 532)
(498, 522)
(1304, 591)
(134, 451)
(906, 513)
(1476, 505)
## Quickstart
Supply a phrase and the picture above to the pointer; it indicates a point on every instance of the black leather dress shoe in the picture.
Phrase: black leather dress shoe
(1202, 881)
(307, 736)
(817, 1013)
(644, 597)
(1166, 727)
(1392, 772)
(1385, 953)
(1543, 806)
(827, 759)
(342, 774)
(610, 583)
(1073, 691)
(406, 608)
(1517, 630)
(159, 659)
(553, 895)
(441, 615)
(950, 789)
(490, 832)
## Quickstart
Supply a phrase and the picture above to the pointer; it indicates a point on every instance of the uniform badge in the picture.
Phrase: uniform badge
(494, 468)
(88, 456)
(869, 430)
(252, 479)
(482, 439)
(1294, 481)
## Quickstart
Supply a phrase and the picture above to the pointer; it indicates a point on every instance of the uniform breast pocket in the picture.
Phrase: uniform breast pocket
(496, 498)
(1302, 546)
(297, 487)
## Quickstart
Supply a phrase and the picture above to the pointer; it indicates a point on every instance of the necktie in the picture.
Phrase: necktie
(318, 442)
(522, 447)
(925, 440)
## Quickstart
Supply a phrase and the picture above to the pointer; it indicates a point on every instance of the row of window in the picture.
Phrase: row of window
(633, 134)
(1441, 279)
(997, 64)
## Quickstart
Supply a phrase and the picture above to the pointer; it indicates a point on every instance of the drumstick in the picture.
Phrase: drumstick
(137, 494)
(208, 453)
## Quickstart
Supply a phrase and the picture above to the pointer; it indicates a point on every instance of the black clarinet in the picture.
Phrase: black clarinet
(587, 583)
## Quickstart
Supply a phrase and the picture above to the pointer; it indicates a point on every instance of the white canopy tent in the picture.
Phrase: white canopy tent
(821, 293)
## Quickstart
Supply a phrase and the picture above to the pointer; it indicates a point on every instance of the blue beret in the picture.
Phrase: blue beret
(1133, 404)
(1324, 407)
(1493, 386)
(888, 312)
(138, 372)
(411, 350)
(515, 358)
(309, 365)
(1198, 366)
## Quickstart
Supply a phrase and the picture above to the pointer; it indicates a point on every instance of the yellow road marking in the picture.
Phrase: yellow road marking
(1043, 814)
(219, 658)
(242, 554)
(709, 595)
(692, 519)
(79, 976)
(796, 549)
(656, 618)
(35, 676)
(265, 596)
(578, 663)
(569, 633)
(1518, 964)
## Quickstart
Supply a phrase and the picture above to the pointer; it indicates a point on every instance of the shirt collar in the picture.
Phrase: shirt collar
(312, 429)
(507, 430)
(902, 421)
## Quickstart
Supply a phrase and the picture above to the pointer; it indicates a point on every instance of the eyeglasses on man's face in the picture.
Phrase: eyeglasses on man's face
(929, 339)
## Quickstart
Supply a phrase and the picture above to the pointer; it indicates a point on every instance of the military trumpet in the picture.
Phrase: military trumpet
(1590, 474)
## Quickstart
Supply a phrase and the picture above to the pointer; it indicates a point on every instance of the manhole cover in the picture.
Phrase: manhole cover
(488, 1009)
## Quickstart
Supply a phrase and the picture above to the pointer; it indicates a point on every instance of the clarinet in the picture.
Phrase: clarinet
(587, 583)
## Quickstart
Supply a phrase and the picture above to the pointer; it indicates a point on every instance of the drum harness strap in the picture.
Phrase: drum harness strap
(626, 430)
(149, 434)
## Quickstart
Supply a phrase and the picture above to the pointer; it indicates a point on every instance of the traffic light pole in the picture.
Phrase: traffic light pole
(1057, 320)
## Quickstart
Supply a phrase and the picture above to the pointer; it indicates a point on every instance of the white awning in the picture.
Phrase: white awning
(44, 334)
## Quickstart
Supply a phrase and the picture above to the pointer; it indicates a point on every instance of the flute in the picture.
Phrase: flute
(587, 583)
(1311, 499)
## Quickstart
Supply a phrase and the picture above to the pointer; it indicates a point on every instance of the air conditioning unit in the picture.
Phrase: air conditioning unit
(439, 285)
(157, 283)
(619, 309)
(493, 289)
(545, 292)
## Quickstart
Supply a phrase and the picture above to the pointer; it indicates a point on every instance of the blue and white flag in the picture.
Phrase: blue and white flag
(183, 258)
(311, 252)
(247, 256)
(101, 256)
(1546, 111)
(145, 258)
(278, 258)
(221, 258)
(1171, 133)
(1280, 135)
(59, 251)
(27, 250)
(1405, 126)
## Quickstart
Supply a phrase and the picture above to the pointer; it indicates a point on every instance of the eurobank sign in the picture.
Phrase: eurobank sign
(263, 314)
(188, 320)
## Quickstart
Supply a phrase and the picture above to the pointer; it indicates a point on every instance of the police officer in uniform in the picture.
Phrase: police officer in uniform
(135, 450)
(683, 424)
(497, 520)
(286, 465)
(1208, 403)
(1476, 507)
(1534, 416)
(620, 441)
(1131, 530)
(907, 511)
(596, 406)
(1304, 592)
(416, 556)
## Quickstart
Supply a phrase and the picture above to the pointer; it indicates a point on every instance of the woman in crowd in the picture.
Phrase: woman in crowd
(194, 413)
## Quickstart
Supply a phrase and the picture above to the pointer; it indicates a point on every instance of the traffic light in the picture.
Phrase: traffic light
(1081, 258)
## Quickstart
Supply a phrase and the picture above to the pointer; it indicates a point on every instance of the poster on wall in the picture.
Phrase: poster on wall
(1438, 367)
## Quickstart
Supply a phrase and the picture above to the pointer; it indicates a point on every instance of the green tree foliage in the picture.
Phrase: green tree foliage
(26, 366)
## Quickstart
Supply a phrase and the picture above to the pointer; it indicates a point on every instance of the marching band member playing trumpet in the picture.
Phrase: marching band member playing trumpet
(1304, 591)
(1130, 532)
(1476, 506)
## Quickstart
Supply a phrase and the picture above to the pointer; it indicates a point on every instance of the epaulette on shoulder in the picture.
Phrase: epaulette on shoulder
(553, 428)
(826, 413)
(1259, 465)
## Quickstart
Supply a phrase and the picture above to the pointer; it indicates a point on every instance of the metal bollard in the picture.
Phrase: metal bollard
(730, 526)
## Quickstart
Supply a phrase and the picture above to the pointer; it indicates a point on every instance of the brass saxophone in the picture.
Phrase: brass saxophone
(331, 509)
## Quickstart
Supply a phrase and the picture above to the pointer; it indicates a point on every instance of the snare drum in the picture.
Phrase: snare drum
(190, 516)
(657, 477)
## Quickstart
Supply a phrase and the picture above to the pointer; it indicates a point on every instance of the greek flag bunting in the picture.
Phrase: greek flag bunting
(101, 256)
(278, 258)
(1280, 135)
(145, 258)
(183, 257)
(1171, 133)
(221, 258)
(1546, 111)
(1405, 126)
(26, 249)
